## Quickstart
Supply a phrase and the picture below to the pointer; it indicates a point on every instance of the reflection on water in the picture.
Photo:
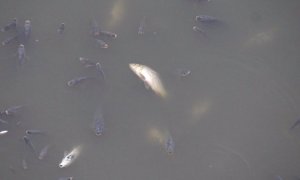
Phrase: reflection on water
(233, 85)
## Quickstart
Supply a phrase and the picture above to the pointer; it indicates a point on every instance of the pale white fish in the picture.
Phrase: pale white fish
(70, 158)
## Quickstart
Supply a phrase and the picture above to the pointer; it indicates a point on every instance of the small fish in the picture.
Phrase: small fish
(141, 29)
(65, 178)
(182, 72)
(11, 25)
(149, 77)
(296, 123)
(12, 110)
(70, 158)
(108, 34)
(198, 30)
(29, 143)
(2, 121)
(9, 40)
(24, 164)
(206, 18)
(86, 62)
(98, 124)
(170, 145)
(27, 29)
(61, 28)
(34, 131)
(77, 80)
(3, 132)
(21, 54)
(95, 31)
(102, 44)
(44, 152)
(99, 69)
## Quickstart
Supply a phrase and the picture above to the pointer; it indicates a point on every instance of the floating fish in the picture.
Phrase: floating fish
(70, 158)
(150, 78)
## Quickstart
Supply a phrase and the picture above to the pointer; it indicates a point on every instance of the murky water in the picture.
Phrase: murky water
(229, 119)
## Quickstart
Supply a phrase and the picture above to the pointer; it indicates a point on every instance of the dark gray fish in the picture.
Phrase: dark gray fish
(9, 40)
(87, 62)
(198, 30)
(21, 54)
(12, 110)
(296, 123)
(29, 144)
(44, 152)
(95, 29)
(61, 28)
(141, 29)
(108, 34)
(11, 25)
(102, 44)
(77, 80)
(34, 131)
(65, 178)
(206, 18)
(99, 69)
(170, 145)
(98, 124)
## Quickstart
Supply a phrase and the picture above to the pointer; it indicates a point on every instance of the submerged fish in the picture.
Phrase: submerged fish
(24, 164)
(9, 40)
(141, 29)
(86, 62)
(34, 131)
(296, 123)
(76, 81)
(102, 44)
(21, 54)
(170, 145)
(150, 78)
(206, 19)
(65, 178)
(198, 30)
(98, 124)
(108, 34)
(61, 28)
(29, 144)
(95, 29)
(99, 69)
(12, 110)
(70, 158)
(11, 25)
(44, 152)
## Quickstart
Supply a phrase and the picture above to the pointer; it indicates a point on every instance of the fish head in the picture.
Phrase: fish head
(137, 69)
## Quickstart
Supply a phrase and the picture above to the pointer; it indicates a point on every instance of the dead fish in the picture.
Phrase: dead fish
(70, 158)
(108, 34)
(12, 110)
(170, 145)
(3, 132)
(150, 78)
(206, 19)
(141, 29)
(61, 28)
(11, 25)
(102, 44)
(78, 80)
(44, 152)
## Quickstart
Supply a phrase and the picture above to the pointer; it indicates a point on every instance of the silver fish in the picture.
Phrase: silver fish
(150, 78)
(141, 29)
(44, 152)
(99, 69)
(11, 25)
(198, 29)
(21, 54)
(29, 144)
(78, 80)
(70, 158)
(3, 132)
(98, 124)
(86, 62)
(102, 44)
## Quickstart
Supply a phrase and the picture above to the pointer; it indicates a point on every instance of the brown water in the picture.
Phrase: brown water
(229, 119)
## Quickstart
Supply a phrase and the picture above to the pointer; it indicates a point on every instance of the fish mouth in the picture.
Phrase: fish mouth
(60, 165)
